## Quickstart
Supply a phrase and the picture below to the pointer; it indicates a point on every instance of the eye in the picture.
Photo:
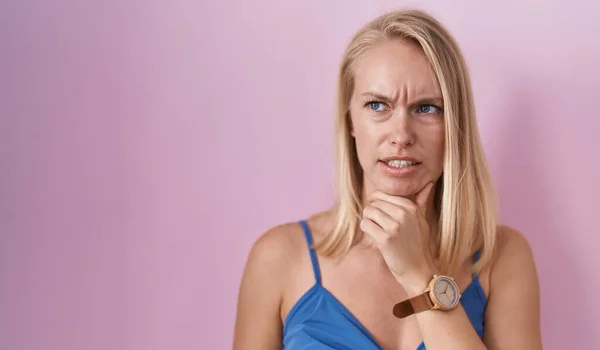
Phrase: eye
(376, 106)
(428, 109)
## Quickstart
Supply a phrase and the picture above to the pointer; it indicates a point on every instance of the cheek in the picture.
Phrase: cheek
(366, 138)
(439, 145)
(365, 126)
(436, 146)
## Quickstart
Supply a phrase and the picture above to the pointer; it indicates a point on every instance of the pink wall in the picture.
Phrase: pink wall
(145, 146)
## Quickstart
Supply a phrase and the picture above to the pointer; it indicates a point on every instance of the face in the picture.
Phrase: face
(396, 110)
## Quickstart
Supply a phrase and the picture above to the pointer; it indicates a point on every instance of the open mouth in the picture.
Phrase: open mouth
(401, 163)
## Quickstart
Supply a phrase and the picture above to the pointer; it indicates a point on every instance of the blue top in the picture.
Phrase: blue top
(320, 321)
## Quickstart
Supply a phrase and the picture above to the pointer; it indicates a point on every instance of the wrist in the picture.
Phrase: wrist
(416, 284)
(440, 293)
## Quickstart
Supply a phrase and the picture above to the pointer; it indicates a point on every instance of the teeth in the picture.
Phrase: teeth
(400, 163)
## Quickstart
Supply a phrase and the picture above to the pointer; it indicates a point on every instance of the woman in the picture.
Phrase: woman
(411, 256)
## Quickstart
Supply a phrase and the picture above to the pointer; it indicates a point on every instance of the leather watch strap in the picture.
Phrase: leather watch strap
(413, 305)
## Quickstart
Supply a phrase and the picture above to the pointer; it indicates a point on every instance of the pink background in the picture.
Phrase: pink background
(145, 146)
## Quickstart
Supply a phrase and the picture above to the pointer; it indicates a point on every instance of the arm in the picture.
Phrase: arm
(513, 312)
(513, 309)
(258, 324)
(399, 227)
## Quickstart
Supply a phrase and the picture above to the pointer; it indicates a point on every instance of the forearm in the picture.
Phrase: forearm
(448, 330)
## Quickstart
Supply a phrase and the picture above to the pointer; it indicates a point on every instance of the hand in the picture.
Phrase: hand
(399, 228)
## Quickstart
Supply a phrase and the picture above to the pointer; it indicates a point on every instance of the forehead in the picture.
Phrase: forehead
(395, 67)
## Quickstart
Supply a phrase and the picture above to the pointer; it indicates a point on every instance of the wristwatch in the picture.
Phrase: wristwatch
(441, 294)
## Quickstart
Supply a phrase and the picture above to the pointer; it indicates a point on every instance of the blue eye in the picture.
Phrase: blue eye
(376, 106)
(428, 109)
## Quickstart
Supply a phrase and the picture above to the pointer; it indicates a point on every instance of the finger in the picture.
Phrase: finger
(422, 198)
(396, 212)
(374, 231)
(379, 217)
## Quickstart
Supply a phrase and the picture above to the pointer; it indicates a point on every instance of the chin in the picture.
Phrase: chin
(398, 191)
(396, 187)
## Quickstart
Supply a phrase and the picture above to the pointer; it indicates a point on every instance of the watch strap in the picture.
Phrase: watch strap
(413, 305)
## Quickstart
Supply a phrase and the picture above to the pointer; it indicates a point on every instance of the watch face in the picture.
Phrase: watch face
(446, 292)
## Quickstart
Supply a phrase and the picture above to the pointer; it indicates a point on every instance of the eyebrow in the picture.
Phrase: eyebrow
(433, 100)
(378, 96)
(427, 99)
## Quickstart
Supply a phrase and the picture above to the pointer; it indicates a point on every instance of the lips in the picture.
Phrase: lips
(400, 162)
(396, 163)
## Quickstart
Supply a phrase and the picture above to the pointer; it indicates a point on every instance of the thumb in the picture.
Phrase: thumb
(422, 197)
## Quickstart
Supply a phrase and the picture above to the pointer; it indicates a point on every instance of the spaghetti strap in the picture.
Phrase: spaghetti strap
(311, 250)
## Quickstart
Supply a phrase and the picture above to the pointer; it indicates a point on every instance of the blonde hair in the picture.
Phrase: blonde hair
(465, 196)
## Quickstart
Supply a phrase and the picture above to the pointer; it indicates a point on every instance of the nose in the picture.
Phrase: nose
(403, 134)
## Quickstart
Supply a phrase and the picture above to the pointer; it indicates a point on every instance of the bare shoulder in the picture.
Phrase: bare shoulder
(513, 310)
(282, 250)
(513, 254)
(276, 248)
(266, 273)
(507, 235)
(272, 256)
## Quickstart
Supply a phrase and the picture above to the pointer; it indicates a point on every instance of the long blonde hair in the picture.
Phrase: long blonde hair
(465, 196)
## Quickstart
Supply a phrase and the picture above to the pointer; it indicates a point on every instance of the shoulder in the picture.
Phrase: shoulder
(513, 309)
(279, 256)
(284, 245)
(287, 240)
(513, 251)
(276, 249)
(509, 236)
(260, 296)
(513, 273)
